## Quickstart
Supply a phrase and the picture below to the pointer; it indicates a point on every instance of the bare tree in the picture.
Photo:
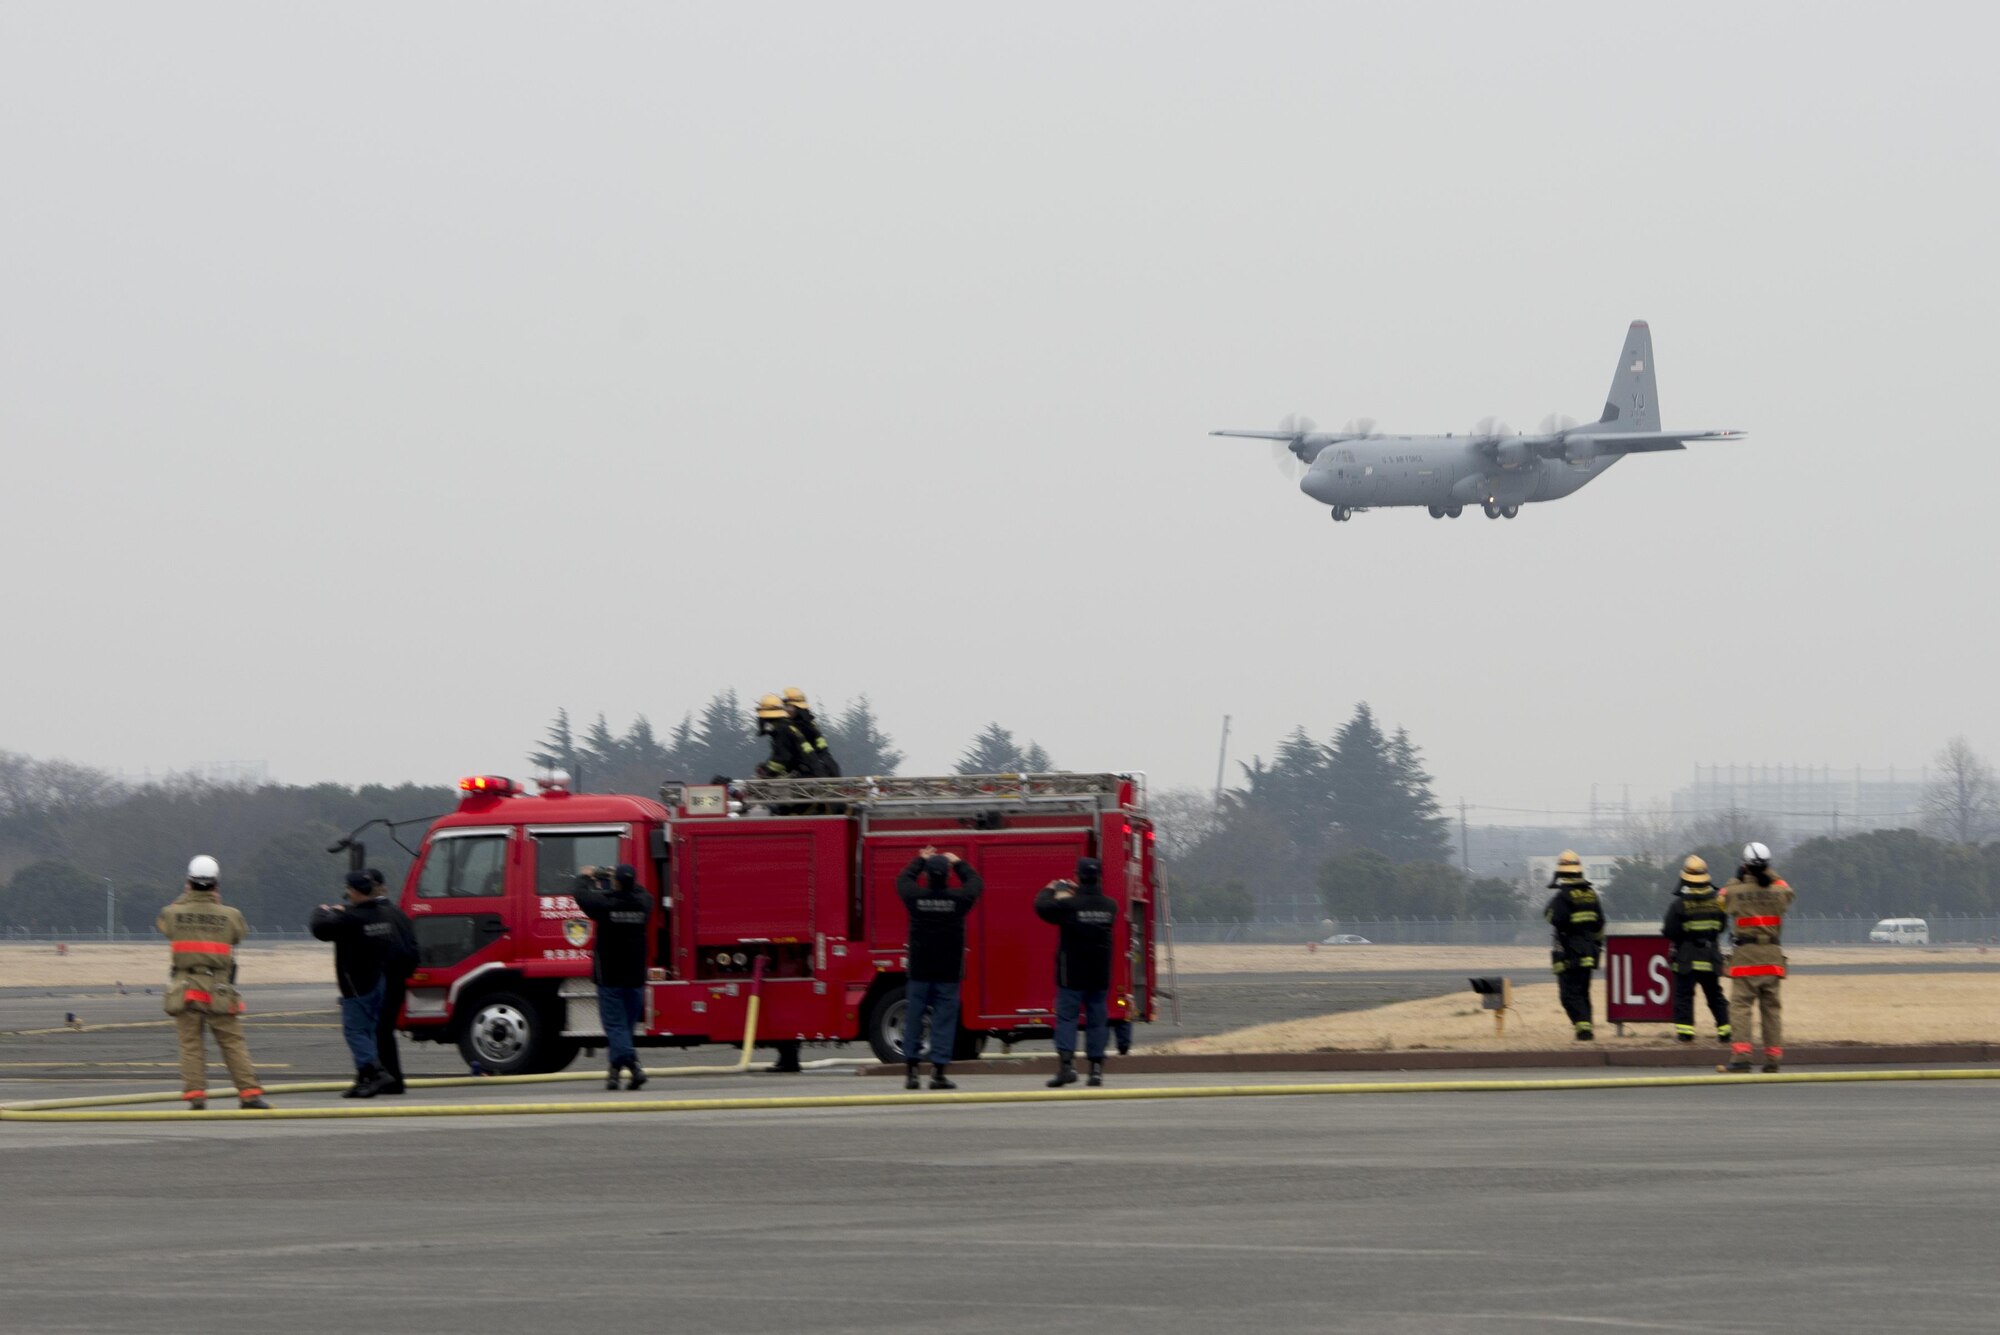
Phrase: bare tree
(1184, 817)
(1653, 835)
(1962, 803)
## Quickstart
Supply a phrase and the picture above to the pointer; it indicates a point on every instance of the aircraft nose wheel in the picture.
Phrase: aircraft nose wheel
(1510, 511)
(1341, 514)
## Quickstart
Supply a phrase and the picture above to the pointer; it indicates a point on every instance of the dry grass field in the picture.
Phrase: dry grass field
(1891, 1007)
(1521, 962)
(97, 965)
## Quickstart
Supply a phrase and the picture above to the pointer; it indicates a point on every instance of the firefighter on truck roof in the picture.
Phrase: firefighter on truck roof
(1693, 924)
(788, 745)
(818, 755)
(1577, 917)
(201, 991)
(1757, 902)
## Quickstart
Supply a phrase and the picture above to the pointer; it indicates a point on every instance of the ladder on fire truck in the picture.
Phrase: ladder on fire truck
(942, 792)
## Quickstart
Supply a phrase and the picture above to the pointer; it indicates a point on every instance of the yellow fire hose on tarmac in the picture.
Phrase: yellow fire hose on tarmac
(96, 1110)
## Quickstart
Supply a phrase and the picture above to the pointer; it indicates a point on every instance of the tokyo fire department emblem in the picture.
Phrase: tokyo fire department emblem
(577, 931)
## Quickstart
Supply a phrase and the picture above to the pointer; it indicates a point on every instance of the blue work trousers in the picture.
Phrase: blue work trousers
(940, 1002)
(359, 1018)
(623, 1010)
(1069, 1001)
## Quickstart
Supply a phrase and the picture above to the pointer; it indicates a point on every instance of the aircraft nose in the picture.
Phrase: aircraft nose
(1318, 484)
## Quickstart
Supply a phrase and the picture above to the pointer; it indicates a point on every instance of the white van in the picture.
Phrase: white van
(1901, 932)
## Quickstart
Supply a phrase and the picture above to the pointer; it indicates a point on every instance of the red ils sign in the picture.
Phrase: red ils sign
(1638, 979)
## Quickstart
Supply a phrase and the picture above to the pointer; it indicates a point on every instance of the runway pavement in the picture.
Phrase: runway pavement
(1714, 1209)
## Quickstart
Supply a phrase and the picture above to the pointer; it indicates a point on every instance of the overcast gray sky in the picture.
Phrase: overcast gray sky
(375, 379)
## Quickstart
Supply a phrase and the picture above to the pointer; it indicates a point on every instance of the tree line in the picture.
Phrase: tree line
(1348, 827)
(73, 837)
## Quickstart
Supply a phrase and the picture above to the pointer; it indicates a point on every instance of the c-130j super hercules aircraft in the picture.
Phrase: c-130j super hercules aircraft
(1497, 470)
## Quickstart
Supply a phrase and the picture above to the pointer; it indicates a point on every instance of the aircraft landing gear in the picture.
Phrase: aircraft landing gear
(1341, 514)
(1437, 512)
(1510, 511)
(1454, 511)
(1492, 510)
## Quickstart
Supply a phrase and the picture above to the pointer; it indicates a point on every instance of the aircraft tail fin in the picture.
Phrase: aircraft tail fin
(1632, 404)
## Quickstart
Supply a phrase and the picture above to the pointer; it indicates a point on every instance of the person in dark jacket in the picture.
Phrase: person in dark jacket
(788, 745)
(1577, 917)
(399, 961)
(362, 935)
(936, 955)
(1694, 924)
(622, 912)
(818, 755)
(1085, 916)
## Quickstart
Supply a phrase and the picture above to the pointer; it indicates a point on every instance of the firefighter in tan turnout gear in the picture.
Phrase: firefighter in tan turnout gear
(1577, 917)
(201, 991)
(1757, 902)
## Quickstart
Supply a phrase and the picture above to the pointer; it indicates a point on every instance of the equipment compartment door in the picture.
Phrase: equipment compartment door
(1011, 965)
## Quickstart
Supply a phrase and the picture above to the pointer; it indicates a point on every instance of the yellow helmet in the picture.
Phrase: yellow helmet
(795, 697)
(771, 707)
(1694, 871)
(1569, 864)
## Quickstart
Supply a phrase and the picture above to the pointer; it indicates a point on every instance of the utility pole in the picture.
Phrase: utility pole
(1221, 761)
(1464, 838)
(110, 900)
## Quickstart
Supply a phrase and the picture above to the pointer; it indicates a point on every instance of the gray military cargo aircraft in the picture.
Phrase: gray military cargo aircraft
(1492, 467)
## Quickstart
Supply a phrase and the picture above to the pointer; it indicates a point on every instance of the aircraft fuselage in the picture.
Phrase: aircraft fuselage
(1439, 471)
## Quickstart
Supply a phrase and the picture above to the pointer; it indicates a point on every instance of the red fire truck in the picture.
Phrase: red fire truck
(785, 887)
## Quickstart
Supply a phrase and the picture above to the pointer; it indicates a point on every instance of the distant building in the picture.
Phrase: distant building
(1793, 802)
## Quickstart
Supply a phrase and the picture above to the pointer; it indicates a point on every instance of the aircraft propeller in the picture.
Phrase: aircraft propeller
(1284, 453)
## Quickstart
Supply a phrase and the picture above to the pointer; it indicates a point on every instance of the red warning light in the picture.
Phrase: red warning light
(489, 785)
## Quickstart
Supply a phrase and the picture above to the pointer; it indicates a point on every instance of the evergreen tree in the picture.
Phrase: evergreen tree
(602, 759)
(725, 739)
(558, 749)
(1419, 832)
(993, 751)
(858, 742)
(1035, 760)
(1294, 789)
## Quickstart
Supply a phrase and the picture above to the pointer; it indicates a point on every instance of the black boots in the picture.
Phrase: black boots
(638, 1080)
(1096, 1074)
(255, 1101)
(1065, 1070)
(788, 1059)
(910, 1080)
(369, 1081)
(938, 1080)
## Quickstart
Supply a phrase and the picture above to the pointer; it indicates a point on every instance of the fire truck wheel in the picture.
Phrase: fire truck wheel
(509, 1034)
(885, 1024)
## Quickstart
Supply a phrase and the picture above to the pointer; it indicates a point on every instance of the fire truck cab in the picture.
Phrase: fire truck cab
(784, 886)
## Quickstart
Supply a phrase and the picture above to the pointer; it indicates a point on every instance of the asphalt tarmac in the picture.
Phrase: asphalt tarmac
(1722, 1208)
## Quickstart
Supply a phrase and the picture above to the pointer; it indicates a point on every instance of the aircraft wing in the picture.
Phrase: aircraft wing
(1258, 435)
(1644, 442)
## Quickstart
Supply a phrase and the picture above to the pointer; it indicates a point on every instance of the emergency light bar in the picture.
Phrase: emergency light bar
(493, 785)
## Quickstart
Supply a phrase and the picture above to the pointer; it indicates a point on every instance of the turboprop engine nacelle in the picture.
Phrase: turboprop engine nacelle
(1513, 454)
(1579, 451)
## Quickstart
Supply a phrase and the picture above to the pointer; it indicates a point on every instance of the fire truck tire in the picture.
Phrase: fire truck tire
(884, 1027)
(885, 1030)
(506, 1033)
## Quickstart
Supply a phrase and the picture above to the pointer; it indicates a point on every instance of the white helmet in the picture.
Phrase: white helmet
(202, 870)
(1755, 853)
